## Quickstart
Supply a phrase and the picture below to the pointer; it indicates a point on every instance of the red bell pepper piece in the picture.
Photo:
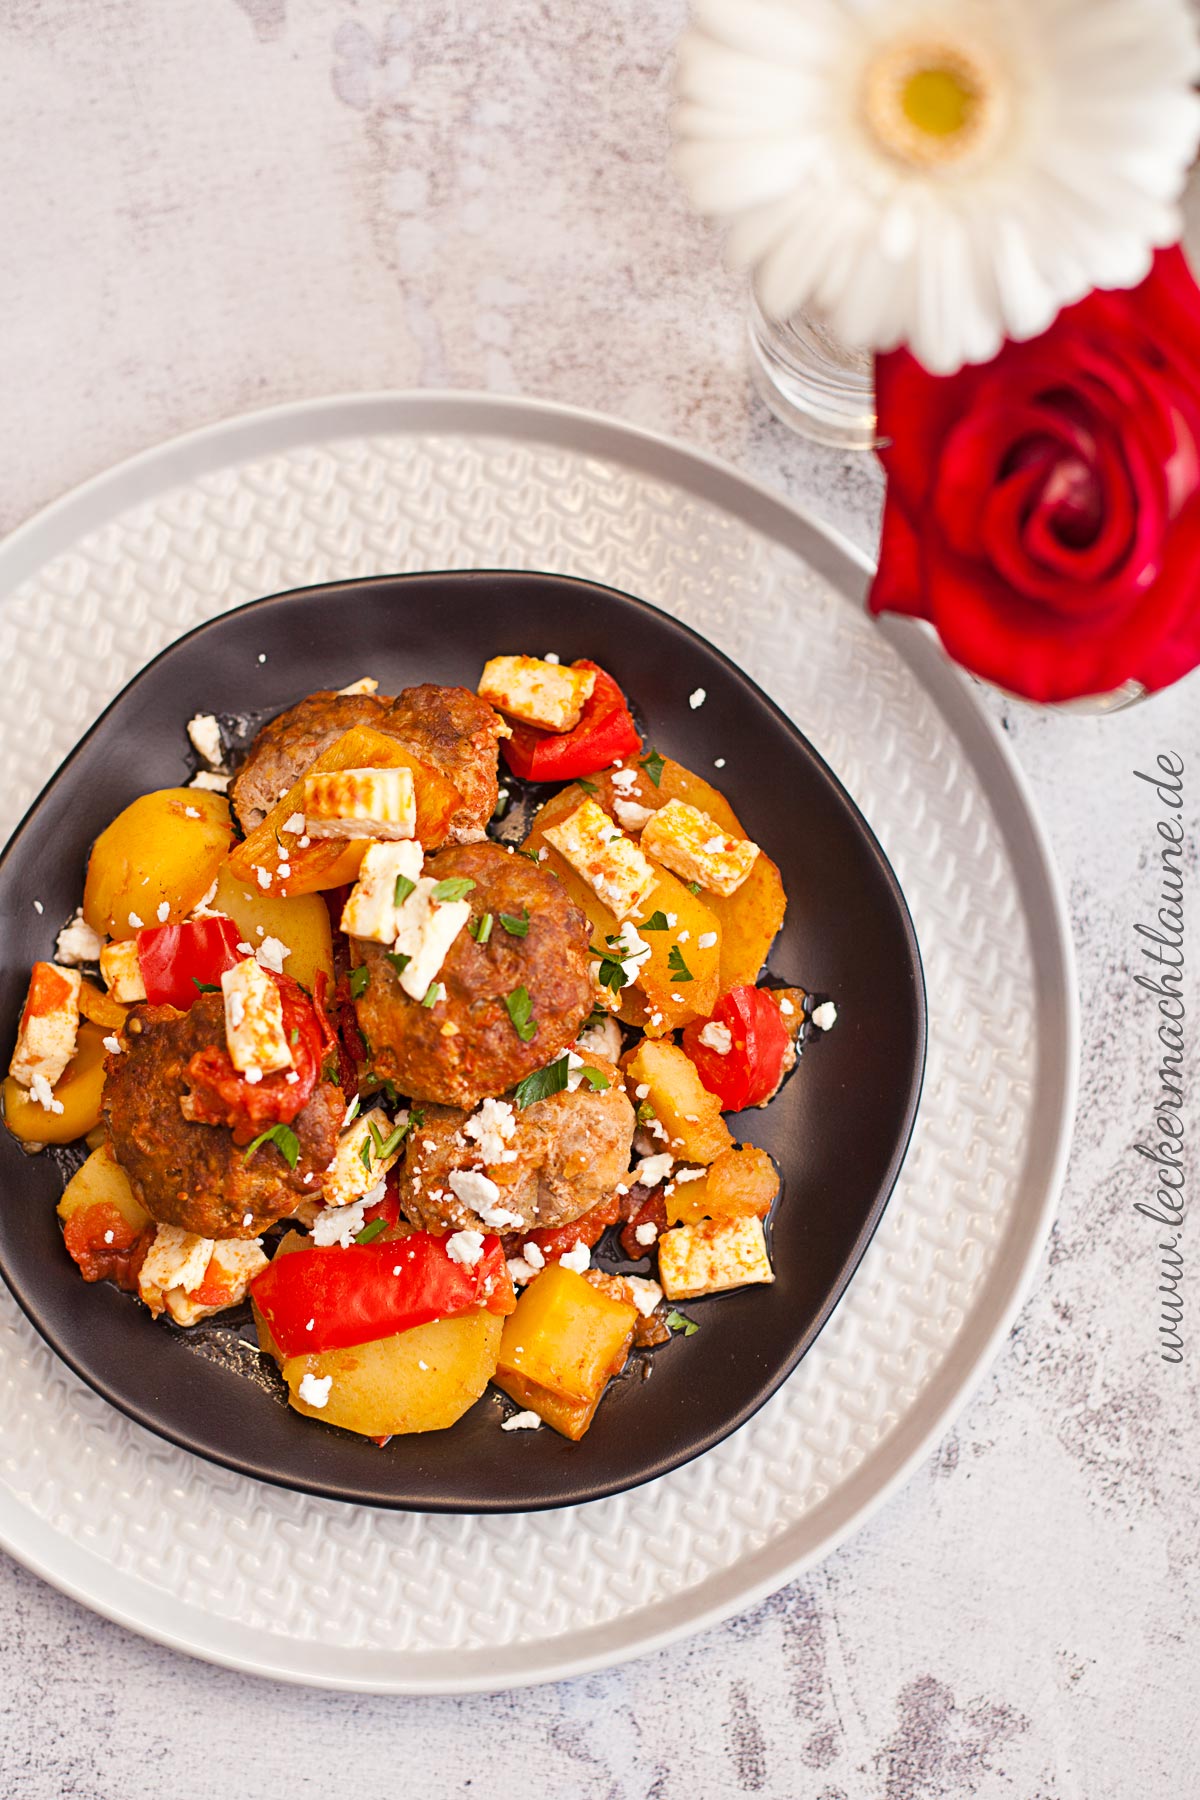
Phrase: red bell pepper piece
(375, 1290)
(177, 960)
(605, 733)
(751, 1070)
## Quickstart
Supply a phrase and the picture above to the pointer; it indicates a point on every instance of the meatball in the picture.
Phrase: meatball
(466, 1045)
(568, 1153)
(447, 728)
(194, 1175)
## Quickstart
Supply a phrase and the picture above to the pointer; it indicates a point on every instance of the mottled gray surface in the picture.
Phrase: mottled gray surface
(216, 204)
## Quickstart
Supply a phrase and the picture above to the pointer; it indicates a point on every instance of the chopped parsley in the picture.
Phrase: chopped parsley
(360, 979)
(677, 966)
(205, 987)
(433, 994)
(483, 929)
(370, 1232)
(455, 887)
(656, 922)
(611, 973)
(652, 762)
(531, 855)
(645, 1113)
(693, 887)
(397, 959)
(520, 1011)
(516, 927)
(284, 1140)
(595, 1080)
(404, 887)
(542, 1083)
(294, 1035)
(589, 787)
(680, 1322)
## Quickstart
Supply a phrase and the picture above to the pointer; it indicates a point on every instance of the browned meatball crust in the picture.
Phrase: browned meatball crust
(192, 1175)
(447, 728)
(466, 1045)
(568, 1154)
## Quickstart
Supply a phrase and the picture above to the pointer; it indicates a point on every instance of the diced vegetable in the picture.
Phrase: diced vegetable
(298, 923)
(605, 733)
(419, 1380)
(571, 1418)
(100, 1007)
(740, 1183)
(77, 1091)
(690, 1115)
(710, 1257)
(106, 1229)
(750, 1070)
(355, 1295)
(163, 850)
(180, 961)
(332, 862)
(566, 1336)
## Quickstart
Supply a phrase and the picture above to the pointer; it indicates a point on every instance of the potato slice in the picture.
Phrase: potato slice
(79, 1088)
(420, 1380)
(298, 921)
(566, 1336)
(102, 1182)
(690, 1115)
(651, 1001)
(331, 862)
(570, 1418)
(164, 849)
(740, 1183)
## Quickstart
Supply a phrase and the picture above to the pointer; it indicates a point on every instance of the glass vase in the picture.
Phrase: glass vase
(811, 381)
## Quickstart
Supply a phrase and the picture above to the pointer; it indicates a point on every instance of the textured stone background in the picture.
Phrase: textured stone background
(211, 205)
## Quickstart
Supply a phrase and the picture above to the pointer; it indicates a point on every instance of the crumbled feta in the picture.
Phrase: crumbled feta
(706, 940)
(491, 1126)
(579, 1259)
(625, 781)
(612, 865)
(122, 972)
(213, 784)
(719, 762)
(163, 912)
(254, 1034)
(205, 734)
(718, 1037)
(646, 1234)
(552, 656)
(696, 698)
(175, 1259)
(366, 684)
(520, 1271)
(685, 1175)
(135, 922)
(313, 1389)
(42, 1093)
(601, 1039)
(425, 930)
(786, 1007)
(645, 1293)
(38, 907)
(294, 823)
(360, 803)
(112, 1045)
(191, 812)
(371, 912)
(271, 954)
(533, 1255)
(465, 1247)
(538, 692)
(341, 1224)
(522, 1421)
(824, 1017)
(77, 943)
(481, 1194)
(653, 1169)
(262, 657)
(356, 1167)
(632, 814)
(263, 876)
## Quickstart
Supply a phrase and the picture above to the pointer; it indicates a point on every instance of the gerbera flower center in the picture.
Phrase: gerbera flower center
(931, 104)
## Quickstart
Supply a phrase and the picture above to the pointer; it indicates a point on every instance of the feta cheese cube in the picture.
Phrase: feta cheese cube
(176, 1259)
(355, 1170)
(612, 865)
(693, 846)
(371, 911)
(425, 930)
(366, 684)
(78, 943)
(254, 1034)
(46, 1035)
(205, 734)
(122, 972)
(231, 1268)
(360, 803)
(711, 1256)
(536, 691)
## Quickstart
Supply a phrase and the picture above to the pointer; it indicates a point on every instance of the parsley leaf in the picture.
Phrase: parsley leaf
(455, 887)
(397, 959)
(595, 1080)
(294, 1035)
(652, 762)
(693, 887)
(520, 1011)
(514, 926)
(656, 922)
(611, 973)
(370, 1232)
(359, 981)
(645, 1113)
(433, 994)
(542, 1083)
(680, 1322)
(589, 787)
(404, 887)
(483, 929)
(677, 966)
(205, 987)
(531, 855)
(284, 1140)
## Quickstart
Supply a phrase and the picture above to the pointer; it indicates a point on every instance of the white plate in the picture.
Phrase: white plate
(308, 1590)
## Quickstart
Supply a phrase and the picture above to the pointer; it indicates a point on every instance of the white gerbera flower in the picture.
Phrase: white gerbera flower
(938, 172)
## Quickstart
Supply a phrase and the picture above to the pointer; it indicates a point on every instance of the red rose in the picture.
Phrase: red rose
(1043, 509)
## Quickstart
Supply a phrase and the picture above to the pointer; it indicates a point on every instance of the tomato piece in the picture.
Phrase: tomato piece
(220, 1095)
(605, 733)
(178, 960)
(748, 1073)
(106, 1246)
(554, 1241)
(356, 1295)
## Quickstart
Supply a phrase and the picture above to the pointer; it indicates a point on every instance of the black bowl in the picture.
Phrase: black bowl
(838, 1130)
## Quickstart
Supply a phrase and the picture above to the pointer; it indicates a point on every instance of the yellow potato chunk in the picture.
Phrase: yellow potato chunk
(691, 1116)
(570, 1418)
(101, 1182)
(297, 922)
(164, 850)
(77, 1091)
(566, 1335)
(739, 1183)
(713, 1256)
(420, 1380)
(537, 693)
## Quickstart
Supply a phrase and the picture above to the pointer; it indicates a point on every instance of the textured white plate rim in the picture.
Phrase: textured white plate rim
(136, 1604)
